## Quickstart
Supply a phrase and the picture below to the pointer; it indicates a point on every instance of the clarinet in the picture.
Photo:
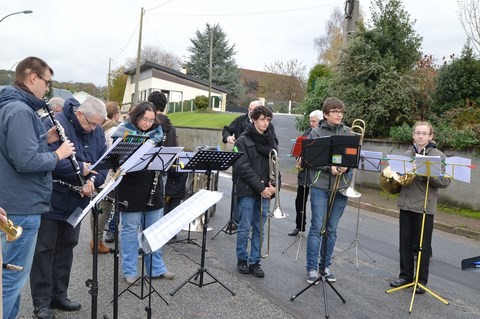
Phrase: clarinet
(153, 189)
(63, 138)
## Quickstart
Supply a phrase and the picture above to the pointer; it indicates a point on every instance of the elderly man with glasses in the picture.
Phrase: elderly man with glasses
(52, 262)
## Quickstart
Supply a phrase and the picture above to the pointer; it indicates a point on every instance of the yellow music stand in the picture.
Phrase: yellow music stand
(427, 167)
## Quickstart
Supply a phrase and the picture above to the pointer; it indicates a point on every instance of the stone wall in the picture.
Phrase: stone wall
(458, 194)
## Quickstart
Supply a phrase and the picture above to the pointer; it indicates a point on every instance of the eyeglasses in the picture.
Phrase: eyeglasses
(47, 82)
(337, 112)
(147, 120)
(422, 133)
(93, 125)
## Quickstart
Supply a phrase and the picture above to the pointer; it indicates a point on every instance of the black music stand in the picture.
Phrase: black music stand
(208, 161)
(337, 150)
(115, 157)
(366, 163)
(229, 227)
(158, 159)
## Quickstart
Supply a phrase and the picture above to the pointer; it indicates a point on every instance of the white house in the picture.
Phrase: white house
(177, 86)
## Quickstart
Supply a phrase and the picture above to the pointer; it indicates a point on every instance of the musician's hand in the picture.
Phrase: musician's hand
(88, 189)
(338, 170)
(65, 150)
(268, 191)
(52, 135)
(231, 140)
(86, 168)
(3, 216)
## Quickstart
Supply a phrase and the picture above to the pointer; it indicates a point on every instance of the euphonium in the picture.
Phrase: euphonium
(276, 212)
(392, 182)
(13, 232)
(358, 128)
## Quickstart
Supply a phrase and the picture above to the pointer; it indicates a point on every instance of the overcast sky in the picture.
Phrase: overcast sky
(77, 37)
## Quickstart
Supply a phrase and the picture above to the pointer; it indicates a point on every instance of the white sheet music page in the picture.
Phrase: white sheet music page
(370, 161)
(428, 165)
(400, 163)
(459, 168)
(158, 234)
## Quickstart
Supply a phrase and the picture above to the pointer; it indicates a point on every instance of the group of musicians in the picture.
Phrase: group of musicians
(45, 176)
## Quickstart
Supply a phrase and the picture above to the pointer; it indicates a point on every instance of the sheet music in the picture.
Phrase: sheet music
(428, 165)
(400, 163)
(77, 216)
(459, 168)
(158, 234)
(370, 161)
(114, 144)
(132, 160)
(157, 159)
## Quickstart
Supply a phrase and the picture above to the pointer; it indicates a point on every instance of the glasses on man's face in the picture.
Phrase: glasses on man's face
(92, 125)
(147, 120)
(337, 112)
(422, 133)
(47, 82)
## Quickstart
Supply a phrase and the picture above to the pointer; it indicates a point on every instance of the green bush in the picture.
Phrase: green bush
(401, 134)
(201, 102)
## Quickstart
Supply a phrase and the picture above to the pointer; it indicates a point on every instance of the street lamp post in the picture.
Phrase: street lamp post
(20, 12)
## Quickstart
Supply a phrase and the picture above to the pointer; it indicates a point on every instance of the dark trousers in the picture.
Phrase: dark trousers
(52, 261)
(410, 228)
(300, 207)
(171, 204)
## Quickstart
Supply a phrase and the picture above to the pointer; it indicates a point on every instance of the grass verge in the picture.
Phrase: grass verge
(202, 119)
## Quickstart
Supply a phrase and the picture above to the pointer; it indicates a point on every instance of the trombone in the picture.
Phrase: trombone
(358, 128)
(276, 212)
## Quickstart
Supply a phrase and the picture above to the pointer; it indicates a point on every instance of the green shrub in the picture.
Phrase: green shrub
(401, 134)
(201, 102)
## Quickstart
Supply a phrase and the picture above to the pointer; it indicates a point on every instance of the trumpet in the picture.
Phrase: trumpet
(276, 212)
(13, 232)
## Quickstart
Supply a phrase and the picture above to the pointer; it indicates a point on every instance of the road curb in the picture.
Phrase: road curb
(456, 230)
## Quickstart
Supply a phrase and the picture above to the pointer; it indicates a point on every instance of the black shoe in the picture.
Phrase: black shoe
(44, 312)
(242, 267)
(232, 227)
(293, 232)
(256, 270)
(419, 290)
(65, 304)
(399, 282)
(109, 237)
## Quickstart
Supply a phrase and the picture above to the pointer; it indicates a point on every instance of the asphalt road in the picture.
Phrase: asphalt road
(363, 288)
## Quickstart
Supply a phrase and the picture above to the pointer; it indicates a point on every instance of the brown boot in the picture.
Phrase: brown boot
(102, 249)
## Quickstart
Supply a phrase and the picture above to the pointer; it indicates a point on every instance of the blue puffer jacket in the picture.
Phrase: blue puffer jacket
(25, 161)
(89, 147)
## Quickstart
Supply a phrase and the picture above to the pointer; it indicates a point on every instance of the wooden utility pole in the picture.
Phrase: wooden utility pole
(352, 9)
(109, 78)
(139, 53)
(210, 67)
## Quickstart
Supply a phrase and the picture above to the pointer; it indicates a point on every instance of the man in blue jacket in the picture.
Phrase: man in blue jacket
(26, 164)
(52, 262)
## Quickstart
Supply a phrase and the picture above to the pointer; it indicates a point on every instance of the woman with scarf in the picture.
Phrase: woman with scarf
(136, 188)
(253, 189)
(411, 202)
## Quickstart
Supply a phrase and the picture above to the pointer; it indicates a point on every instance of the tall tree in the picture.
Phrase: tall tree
(330, 45)
(158, 56)
(224, 67)
(469, 14)
(375, 75)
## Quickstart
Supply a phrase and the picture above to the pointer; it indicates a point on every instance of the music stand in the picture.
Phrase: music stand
(426, 166)
(337, 150)
(208, 161)
(369, 161)
(119, 157)
(158, 159)
(228, 228)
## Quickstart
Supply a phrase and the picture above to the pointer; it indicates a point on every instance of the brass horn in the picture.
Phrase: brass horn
(358, 128)
(392, 182)
(13, 232)
(276, 212)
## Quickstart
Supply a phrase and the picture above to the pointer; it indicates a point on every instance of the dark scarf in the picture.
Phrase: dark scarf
(430, 144)
(263, 142)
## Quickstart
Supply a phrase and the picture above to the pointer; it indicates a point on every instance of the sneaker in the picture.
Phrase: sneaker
(44, 312)
(256, 270)
(109, 237)
(293, 232)
(312, 275)
(167, 275)
(329, 276)
(242, 267)
(132, 281)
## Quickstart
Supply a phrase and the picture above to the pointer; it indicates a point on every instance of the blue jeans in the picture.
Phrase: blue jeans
(319, 202)
(20, 253)
(249, 209)
(131, 223)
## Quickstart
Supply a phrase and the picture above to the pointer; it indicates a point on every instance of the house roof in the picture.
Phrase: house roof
(150, 65)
